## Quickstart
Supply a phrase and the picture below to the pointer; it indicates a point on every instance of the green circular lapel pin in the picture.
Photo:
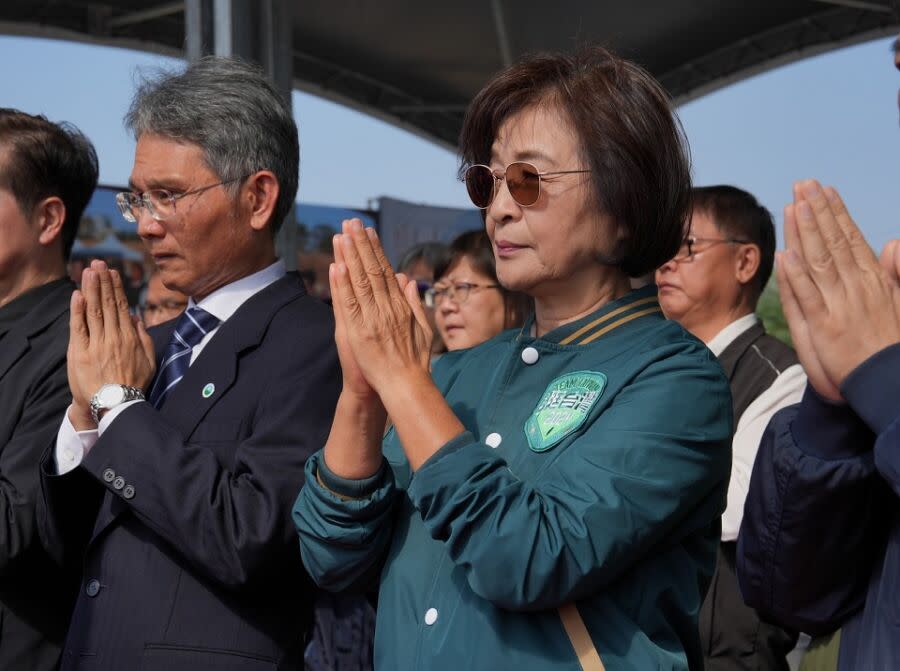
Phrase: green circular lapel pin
(208, 390)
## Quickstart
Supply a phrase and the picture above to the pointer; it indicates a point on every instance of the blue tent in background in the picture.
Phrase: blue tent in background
(109, 248)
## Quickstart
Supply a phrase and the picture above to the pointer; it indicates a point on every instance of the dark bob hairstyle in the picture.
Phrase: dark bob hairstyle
(629, 137)
(476, 247)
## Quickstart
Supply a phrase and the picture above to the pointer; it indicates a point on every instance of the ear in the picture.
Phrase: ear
(49, 215)
(746, 263)
(261, 194)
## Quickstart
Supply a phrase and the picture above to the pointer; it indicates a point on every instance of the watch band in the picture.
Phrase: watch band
(129, 394)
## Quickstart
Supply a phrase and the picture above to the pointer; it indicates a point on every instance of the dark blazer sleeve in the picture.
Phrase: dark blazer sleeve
(812, 524)
(226, 507)
(66, 509)
(46, 398)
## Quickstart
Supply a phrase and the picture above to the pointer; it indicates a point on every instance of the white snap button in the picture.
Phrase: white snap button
(69, 455)
(493, 440)
(430, 616)
(530, 355)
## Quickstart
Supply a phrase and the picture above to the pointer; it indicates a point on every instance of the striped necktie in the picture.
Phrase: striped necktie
(193, 324)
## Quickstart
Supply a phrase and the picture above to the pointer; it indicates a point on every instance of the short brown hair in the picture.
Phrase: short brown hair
(45, 159)
(476, 247)
(629, 137)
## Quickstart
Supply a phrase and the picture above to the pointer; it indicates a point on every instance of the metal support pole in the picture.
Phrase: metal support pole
(258, 31)
(198, 29)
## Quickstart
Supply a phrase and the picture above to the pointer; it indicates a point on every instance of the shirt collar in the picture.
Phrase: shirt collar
(225, 301)
(730, 333)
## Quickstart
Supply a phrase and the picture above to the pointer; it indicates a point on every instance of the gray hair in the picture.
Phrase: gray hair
(230, 110)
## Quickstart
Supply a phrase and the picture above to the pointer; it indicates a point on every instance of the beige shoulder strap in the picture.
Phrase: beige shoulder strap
(587, 654)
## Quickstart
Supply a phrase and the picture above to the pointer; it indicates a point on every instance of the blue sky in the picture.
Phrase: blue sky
(833, 117)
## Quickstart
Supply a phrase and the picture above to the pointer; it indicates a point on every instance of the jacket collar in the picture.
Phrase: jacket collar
(611, 317)
(728, 358)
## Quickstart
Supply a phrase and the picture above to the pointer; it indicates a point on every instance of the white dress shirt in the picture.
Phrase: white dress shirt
(72, 446)
(787, 389)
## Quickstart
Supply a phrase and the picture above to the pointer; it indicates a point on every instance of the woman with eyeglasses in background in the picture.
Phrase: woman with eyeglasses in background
(470, 305)
(549, 499)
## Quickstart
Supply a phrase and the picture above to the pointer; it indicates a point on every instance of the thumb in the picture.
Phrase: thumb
(411, 293)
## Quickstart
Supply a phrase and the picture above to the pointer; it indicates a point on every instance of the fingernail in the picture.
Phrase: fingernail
(355, 225)
(831, 194)
(811, 189)
(804, 210)
(791, 258)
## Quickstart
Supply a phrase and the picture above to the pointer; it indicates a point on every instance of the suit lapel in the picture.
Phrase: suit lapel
(214, 370)
(16, 343)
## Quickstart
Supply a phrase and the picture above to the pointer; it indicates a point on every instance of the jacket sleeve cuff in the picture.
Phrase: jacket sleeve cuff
(448, 448)
(827, 430)
(441, 476)
(873, 387)
(345, 488)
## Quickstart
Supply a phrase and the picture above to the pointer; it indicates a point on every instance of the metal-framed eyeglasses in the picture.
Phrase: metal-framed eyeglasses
(457, 292)
(522, 179)
(160, 203)
(689, 246)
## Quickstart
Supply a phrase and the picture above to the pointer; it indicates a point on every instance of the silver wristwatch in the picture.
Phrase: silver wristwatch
(111, 395)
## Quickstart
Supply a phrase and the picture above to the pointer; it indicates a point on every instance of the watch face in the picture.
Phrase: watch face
(111, 395)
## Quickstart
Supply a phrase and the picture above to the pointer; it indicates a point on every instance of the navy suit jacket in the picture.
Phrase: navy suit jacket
(181, 515)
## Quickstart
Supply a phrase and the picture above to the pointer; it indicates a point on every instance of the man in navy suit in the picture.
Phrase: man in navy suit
(48, 172)
(173, 474)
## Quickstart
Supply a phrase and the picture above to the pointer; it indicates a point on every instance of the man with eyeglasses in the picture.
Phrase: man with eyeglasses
(159, 304)
(174, 471)
(712, 287)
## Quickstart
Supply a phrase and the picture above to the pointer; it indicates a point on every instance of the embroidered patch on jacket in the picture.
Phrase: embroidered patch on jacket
(565, 405)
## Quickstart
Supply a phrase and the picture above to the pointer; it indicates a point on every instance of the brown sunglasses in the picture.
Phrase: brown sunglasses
(522, 179)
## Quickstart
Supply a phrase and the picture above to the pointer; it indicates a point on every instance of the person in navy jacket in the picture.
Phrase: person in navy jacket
(819, 547)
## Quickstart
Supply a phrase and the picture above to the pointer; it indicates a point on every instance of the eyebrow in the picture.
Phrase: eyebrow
(532, 154)
(153, 184)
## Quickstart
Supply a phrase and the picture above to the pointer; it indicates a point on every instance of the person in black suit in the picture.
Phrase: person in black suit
(47, 175)
(174, 471)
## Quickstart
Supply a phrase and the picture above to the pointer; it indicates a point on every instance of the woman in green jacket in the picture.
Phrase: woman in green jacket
(550, 498)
